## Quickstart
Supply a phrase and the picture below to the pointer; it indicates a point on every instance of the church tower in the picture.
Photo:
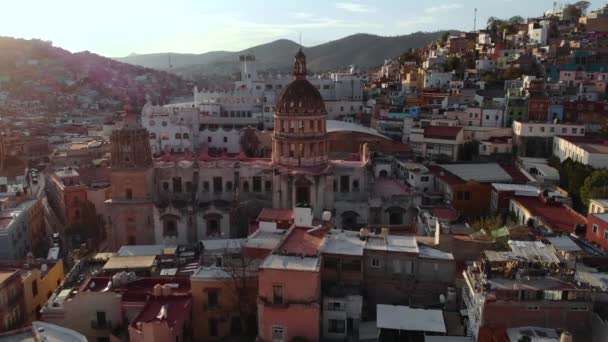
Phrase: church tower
(300, 145)
(130, 206)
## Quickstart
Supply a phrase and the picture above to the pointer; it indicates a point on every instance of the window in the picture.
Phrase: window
(467, 195)
(101, 318)
(530, 128)
(186, 136)
(34, 288)
(225, 139)
(396, 266)
(552, 295)
(277, 294)
(212, 298)
(336, 326)
(212, 327)
(245, 186)
(424, 178)
(268, 185)
(128, 193)
(166, 186)
(206, 186)
(209, 139)
(152, 136)
(533, 308)
(435, 267)
(178, 136)
(217, 184)
(542, 129)
(574, 130)
(355, 185)
(344, 183)
(257, 184)
(595, 228)
(177, 185)
(375, 262)
(278, 334)
(228, 186)
(606, 235)
(564, 130)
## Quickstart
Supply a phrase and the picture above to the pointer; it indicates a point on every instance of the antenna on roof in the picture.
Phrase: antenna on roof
(475, 20)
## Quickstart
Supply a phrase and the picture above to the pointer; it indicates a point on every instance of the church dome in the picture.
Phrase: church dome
(300, 97)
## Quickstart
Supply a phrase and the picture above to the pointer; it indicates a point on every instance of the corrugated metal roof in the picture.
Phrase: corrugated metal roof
(485, 173)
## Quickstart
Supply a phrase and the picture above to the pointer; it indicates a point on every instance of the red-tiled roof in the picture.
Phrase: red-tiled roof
(274, 215)
(516, 174)
(301, 242)
(556, 215)
(177, 310)
(449, 214)
(446, 176)
(442, 132)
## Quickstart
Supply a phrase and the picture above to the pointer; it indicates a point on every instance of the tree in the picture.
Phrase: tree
(489, 223)
(595, 186)
(444, 37)
(516, 20)
(452, 63)
(242, 274)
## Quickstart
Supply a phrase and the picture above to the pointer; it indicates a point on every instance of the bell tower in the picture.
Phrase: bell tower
(300, 146)
(130, 206)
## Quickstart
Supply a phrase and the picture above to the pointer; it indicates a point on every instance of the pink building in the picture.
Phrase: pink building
(162, 319)
(593, 78)
(289, 302)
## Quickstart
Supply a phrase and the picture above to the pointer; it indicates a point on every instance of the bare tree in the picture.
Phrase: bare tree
(242, 272)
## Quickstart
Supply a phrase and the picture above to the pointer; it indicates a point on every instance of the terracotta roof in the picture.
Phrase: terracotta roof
(449, 214)
(274, 215)
(556, 215)
(301, 242)
(517, 176)
(442, 132)
(446, 176)
(173, 310)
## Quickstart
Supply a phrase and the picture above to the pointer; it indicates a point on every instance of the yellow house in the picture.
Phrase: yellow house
(40, 279)
(216, 307)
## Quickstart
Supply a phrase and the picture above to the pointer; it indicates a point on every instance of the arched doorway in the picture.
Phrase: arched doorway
(395, 215)
(349, 220)
(302, 190)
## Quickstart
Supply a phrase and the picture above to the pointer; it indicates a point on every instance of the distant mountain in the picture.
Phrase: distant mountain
(363, 50)
(34, 74)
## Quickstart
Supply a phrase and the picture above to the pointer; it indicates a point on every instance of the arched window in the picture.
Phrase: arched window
(152, 136)
(170, 228)
(128, 193)
(166, 186)
(186, 136)
(178, 136)
(245, 186)
(164, 123)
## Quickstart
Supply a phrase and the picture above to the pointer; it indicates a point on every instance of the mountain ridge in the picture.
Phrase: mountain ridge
(362, 49)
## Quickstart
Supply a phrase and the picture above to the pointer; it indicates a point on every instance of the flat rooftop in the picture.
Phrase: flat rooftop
(291, 263)
(129, 262)
(408, 319)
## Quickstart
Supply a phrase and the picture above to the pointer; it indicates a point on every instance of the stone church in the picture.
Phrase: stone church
(186, 197)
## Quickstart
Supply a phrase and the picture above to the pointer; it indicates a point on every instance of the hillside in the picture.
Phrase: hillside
(35, 76)
(364, 50)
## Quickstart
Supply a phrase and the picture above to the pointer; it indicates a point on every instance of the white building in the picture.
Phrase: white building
(492, 117)
(539, 32)
(586, 150)
(436, 79)
(437, 142)
(485, 65)
(547, 129)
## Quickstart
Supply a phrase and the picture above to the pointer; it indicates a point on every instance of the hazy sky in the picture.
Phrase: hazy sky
(119, 27)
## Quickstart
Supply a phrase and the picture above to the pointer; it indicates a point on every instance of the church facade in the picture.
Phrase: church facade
(184, 197)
